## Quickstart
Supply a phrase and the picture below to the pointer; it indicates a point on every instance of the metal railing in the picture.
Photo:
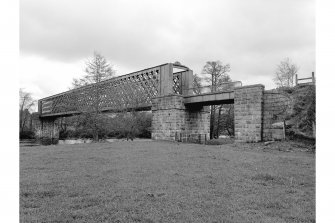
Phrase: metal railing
(191, 138)
(227, 86)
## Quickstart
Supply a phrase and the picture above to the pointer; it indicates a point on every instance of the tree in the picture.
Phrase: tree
(284, 107)
(218, 74)
(97, 70)
(197, 84)
(26, 103)
(285, 73)
(225, 120)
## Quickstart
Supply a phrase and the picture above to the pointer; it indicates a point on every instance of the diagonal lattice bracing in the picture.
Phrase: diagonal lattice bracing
(134, 90)
(177, 83)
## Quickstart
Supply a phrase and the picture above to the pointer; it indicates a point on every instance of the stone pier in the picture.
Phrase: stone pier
(248, 113)
(46, 129)
(171, 117)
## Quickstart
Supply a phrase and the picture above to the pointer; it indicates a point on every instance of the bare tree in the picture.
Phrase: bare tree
(197, 84)
(225, 119)
(285, 73)
(218, 74)
(26, 104)
(97, 70)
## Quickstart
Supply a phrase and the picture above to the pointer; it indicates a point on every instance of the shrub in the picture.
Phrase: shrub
(67, 134)
(76, 134)
(112, 134)
(303, 114)
(27, 134)
(220, 141)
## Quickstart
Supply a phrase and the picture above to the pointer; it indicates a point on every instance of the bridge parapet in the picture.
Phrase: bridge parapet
(210, 89)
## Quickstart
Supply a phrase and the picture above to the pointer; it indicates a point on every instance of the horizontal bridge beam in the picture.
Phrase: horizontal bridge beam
(105, 110)
(226, 97)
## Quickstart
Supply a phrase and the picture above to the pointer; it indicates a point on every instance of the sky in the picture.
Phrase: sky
(57, 37)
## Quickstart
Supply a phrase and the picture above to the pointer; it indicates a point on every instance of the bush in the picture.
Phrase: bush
(68, 134)
(27, 134)
(85, 135)
(48, 141)
(220, 141)
(303, 114)
(131, 124)
(112, 134)
(145, 133)
(76, 134)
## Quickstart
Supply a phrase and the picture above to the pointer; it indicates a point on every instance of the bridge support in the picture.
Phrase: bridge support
(248, 113)
(45, 129)
(171, 118)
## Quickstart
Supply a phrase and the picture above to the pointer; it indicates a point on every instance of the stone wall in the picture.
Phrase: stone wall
(197, 120)
(248, 109)
(171, 118)
(273, 112)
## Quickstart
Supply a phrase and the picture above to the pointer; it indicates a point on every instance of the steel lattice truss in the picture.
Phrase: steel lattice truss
(131, 91)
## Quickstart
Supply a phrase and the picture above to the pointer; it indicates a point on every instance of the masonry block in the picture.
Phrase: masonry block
(248, 111)
(274, 106)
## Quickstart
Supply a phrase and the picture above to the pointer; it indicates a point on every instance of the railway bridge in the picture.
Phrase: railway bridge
(167, 90)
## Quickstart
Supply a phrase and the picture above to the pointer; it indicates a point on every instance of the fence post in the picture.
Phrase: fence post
(313, 78)
(296, 79)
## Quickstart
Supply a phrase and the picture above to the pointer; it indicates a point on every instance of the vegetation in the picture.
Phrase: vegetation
(285, 73)
(26, 106)
(120, 125)
(220, 141)
(133, 124)
(92, 123)
(303, 112)
(91, 119)
(222, 115)
(167, 182)
(197, 84)
(298, 114)
(97, 69)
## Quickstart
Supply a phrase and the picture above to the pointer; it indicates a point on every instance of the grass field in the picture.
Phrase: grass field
(167, 182)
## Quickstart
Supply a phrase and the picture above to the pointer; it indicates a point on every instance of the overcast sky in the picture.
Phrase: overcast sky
(58, 36)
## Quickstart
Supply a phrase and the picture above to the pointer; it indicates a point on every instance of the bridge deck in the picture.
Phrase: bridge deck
(225, 97)
(104, 110)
